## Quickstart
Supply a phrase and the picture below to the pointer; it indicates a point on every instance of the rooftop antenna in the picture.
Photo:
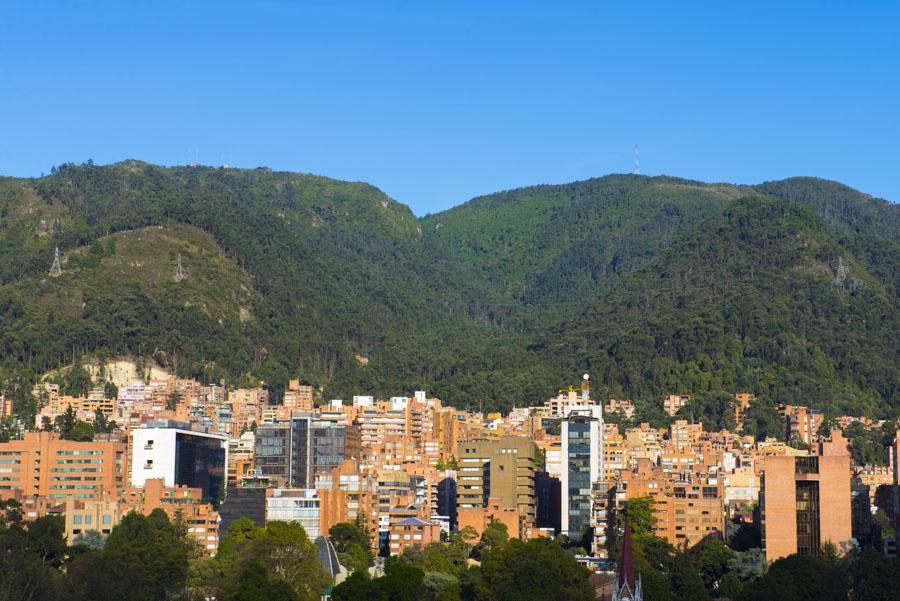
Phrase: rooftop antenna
(56, 268)
(179, 273)
(637, 160)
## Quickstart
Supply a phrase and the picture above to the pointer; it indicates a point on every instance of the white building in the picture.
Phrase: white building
(180, 456)
(301, 505)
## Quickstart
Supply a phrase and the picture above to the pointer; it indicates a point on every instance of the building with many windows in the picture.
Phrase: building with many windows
(293, 453)
(500, 469)
(42, 464)
(581, 434)
(295, 505)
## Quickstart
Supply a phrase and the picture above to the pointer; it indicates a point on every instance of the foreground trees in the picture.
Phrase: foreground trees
(153, 558)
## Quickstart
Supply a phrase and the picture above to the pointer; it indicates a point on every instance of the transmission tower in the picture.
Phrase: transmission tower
(179, 272)
(637, 160)
(56, 268)
(841, 273)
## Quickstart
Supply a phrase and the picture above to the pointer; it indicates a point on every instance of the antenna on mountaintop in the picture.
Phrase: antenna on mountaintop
(179, 273)
(56, 268)
(637, 160)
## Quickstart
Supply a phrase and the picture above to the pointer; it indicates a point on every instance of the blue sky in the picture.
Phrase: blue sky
(437, 102)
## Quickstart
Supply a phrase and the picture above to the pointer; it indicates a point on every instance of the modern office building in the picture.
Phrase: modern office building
(581, 435)
(291, 453)
(181, 457)
(805, 503)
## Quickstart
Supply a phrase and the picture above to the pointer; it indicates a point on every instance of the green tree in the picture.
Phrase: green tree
(762, 421)
(359, 586)
(537, 570)
(494, 537)
(144, 559)
(401, 581)
(875, 577)
(77, 381)
(353, 545)
(684, 576)
(253, 583)
(282, 548)
(800, 578)
(638, 513)
(712, 561)
(82, 432)
(23, 573)
(172, 400)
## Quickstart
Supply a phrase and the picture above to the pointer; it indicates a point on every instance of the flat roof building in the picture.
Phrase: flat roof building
(805, 503)
(180, 457)
(43, 464)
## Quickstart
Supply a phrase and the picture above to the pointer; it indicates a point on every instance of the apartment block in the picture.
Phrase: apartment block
(42, 464)
(673, 403)
(801, 422)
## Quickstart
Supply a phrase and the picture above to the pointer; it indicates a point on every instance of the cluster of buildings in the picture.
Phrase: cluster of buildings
(412, 469)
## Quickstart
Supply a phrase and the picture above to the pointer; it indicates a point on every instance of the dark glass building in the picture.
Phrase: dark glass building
(291, 453)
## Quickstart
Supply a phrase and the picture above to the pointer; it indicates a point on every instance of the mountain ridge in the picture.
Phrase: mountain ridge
(351, 291)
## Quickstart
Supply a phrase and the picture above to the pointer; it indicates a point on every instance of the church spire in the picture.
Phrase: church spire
(628, 582)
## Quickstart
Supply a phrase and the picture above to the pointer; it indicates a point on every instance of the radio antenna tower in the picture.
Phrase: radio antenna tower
(637, 160)
(179, 273)
(56, 268)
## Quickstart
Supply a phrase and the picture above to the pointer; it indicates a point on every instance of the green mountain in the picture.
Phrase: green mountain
(653, 285)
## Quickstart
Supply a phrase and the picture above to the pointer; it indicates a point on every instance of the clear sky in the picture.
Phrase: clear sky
(437, 102)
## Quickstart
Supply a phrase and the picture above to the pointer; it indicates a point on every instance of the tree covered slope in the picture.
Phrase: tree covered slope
(652, 284)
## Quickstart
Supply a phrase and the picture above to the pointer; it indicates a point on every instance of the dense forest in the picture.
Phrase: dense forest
(652, 284)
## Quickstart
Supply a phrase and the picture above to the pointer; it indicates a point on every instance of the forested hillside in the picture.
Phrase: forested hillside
(653, 285)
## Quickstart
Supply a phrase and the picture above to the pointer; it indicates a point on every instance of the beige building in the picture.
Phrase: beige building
(498, 469)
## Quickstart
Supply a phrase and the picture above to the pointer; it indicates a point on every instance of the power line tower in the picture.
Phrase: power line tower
(637, 160)
(56, 268)
(841, 273)
(179, 272)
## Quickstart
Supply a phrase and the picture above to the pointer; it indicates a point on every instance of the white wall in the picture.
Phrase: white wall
(162, 454)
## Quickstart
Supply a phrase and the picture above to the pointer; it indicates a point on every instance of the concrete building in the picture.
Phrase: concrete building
(179, 502)
(180, 457)
(42, 464)
(502, 470)
(298, 397)
(801, 423)
(805, 503)
(673, 403)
